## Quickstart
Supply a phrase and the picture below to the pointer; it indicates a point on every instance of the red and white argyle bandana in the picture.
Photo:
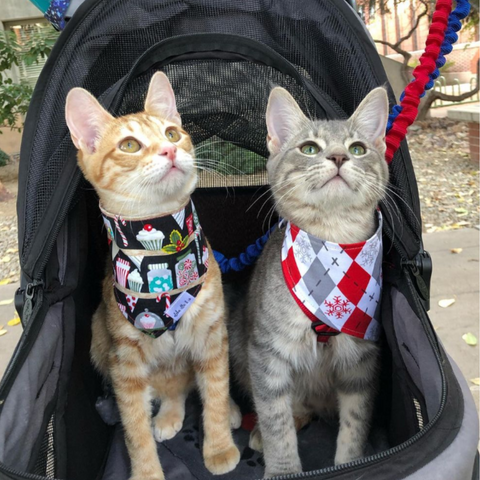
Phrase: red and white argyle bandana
(337, 286)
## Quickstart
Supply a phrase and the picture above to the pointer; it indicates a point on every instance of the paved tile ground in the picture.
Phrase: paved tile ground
(456, 276)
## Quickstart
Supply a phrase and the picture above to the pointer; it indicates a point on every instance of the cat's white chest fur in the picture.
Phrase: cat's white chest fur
(318, 366)
(186, 342)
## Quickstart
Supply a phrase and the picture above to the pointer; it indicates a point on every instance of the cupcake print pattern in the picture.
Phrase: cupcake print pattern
(150, 238)
(154, 262)
(135, 281)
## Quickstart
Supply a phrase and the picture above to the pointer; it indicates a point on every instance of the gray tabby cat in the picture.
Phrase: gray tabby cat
(327, 177)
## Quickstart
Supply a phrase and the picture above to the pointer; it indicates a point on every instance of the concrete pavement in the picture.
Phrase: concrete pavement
(454, 276)
(8, 341)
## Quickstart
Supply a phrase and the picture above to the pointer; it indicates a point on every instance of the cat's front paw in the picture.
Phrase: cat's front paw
(255, 441)
(287, 469)
(136, 477)
(347, 456)
(235, 415)
(348, 451)
(223, 462)
(166, 427)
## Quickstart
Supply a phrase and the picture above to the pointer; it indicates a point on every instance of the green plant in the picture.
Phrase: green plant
(4, 158)
(229, 159)
(448, 66)
(413, 63)
(15, 97)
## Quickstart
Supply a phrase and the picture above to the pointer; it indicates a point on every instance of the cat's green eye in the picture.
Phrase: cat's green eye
(310, 149)
(172, 135)
(130, 145)
(357, 149)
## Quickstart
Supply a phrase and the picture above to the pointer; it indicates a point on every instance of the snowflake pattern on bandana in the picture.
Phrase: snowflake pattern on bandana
(338, 307)
(336, 285)
(369, 253)
(303, 249)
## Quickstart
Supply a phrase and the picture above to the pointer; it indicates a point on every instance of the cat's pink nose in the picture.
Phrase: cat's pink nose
(339, 159)
(169, 151)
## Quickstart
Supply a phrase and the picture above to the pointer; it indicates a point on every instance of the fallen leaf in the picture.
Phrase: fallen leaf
(475, 381)
(12, 250)
(5, 281)
(6, 302)
(14, 321)
(6, 259)
(470, 339)
(446, 302)
(462, 211)
(456, 250)
(3, 332)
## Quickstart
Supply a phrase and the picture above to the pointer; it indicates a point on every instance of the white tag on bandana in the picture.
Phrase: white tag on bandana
(338, 284)
(180, 306)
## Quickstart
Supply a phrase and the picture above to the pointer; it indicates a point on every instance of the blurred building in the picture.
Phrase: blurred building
(21, 17)
(398, 18)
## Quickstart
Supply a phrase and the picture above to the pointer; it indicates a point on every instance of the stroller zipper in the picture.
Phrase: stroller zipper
(418, 412)
(29, 294)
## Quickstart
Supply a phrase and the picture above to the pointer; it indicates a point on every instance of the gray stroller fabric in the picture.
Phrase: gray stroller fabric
(22, 415)
(181, 457)
(455, 462)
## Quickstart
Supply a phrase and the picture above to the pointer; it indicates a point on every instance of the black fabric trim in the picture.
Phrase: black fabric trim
(60, 429)
(403, 420)
(476, 472)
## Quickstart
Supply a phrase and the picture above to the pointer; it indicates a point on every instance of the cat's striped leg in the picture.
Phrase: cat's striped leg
(272, 395)
(219, 451)
(356, 396)
(355, 414)
(172, 389)
(131, 385)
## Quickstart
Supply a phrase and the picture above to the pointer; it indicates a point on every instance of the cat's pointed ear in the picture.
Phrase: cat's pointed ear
(86, 119)
(160, 99)
(371, 116)
(284, 118)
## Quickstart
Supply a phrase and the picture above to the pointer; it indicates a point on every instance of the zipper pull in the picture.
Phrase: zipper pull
(29, 303)
(421, 267)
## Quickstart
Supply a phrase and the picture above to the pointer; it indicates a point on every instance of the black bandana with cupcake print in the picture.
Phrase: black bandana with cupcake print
(159, 266)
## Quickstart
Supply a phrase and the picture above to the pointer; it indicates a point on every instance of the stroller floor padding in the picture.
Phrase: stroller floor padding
(181, 457)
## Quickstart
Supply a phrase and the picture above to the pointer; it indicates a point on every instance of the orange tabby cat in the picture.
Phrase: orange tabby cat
(142, 166)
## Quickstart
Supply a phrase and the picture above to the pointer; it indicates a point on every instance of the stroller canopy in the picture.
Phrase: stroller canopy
(222, 58)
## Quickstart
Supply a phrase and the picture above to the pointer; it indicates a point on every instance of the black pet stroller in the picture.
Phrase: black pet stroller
(222, 57)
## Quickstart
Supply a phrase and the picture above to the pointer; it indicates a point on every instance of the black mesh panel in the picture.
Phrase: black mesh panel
(224, 112)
